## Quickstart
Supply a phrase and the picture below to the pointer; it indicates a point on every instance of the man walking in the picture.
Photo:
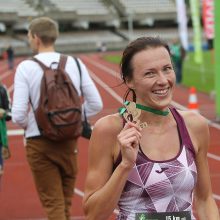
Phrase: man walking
(53, 163)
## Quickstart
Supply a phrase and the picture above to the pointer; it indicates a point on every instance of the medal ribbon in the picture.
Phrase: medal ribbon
(145, 108)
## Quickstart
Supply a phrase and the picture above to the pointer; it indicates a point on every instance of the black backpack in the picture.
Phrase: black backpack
(58, 114)
(4, 102)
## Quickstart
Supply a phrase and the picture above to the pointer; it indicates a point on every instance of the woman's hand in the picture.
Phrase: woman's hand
(129, 139)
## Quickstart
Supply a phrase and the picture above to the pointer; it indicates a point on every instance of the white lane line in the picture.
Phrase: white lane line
(106, 87)
(102, 67)
(217, 197)
(15, 132)
(213, 156)
(78, 192)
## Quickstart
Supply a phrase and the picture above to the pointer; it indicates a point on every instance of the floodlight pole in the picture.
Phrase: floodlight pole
(217, 55)
(130, 24)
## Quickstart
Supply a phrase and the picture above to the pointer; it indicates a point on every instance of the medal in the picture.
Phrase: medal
(132, 114)
(132, 111)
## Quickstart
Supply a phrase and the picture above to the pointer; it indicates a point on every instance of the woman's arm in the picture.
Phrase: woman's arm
(104, 186)
(204, 202)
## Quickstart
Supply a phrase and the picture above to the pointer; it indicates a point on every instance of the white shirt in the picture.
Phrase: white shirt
(27, 87)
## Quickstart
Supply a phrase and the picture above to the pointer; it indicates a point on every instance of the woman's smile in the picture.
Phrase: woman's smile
(161, 92)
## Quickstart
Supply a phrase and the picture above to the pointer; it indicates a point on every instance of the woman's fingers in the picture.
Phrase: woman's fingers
(132, 142)
(130, 124)
(130, 135)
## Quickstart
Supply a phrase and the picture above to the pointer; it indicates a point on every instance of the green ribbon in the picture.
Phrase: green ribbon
(144, 108)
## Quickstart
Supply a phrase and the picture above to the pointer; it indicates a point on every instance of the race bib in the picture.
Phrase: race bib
(184, 215)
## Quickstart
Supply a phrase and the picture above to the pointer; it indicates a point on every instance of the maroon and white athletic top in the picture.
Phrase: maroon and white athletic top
(161, 186)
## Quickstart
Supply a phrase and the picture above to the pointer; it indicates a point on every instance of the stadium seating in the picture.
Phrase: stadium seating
(90, 10)
(86, 23)
(141, 9)
(19, 7)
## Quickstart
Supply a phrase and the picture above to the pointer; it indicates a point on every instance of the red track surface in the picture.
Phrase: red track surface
(18, 198)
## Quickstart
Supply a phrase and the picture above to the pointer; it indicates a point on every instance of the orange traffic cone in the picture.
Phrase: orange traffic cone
(193, 102)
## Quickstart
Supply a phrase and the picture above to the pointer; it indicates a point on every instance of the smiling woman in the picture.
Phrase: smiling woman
(153, 78)
(149, 164)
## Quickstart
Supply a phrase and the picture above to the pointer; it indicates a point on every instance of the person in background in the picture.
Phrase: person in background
(4, 148)
(4, 117)
(101, 47)
(10, 57)
(53, 164)
(2, 137)
(153, 159)
(178, 54)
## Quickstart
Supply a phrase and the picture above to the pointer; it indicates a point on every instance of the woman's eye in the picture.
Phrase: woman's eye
(167, 69)
(149, 74)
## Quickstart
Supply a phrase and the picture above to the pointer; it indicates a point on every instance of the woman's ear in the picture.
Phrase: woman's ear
(129, 83)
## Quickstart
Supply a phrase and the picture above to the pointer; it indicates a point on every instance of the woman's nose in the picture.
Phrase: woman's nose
(162, 79)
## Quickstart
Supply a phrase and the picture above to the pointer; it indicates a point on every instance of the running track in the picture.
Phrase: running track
(18, 199)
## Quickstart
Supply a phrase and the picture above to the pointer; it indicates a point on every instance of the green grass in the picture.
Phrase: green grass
(200, 76)
(113, 58)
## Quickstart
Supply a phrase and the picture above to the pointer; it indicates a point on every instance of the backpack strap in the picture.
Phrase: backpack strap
(42, 65)
(62, 63)
(63, 60)
(80, 75)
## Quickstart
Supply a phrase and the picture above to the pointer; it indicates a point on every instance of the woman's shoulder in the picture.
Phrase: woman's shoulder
(193, 119)
(105, 133)
(198, 128)
(111, 123)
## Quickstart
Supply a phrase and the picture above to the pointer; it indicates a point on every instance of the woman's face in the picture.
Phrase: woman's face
(153, 77)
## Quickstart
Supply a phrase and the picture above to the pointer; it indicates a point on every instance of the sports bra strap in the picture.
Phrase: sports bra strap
(183, 131)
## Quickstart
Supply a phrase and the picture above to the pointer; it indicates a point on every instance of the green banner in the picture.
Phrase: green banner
(195, 13)
(181, 215)
(217, 55)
